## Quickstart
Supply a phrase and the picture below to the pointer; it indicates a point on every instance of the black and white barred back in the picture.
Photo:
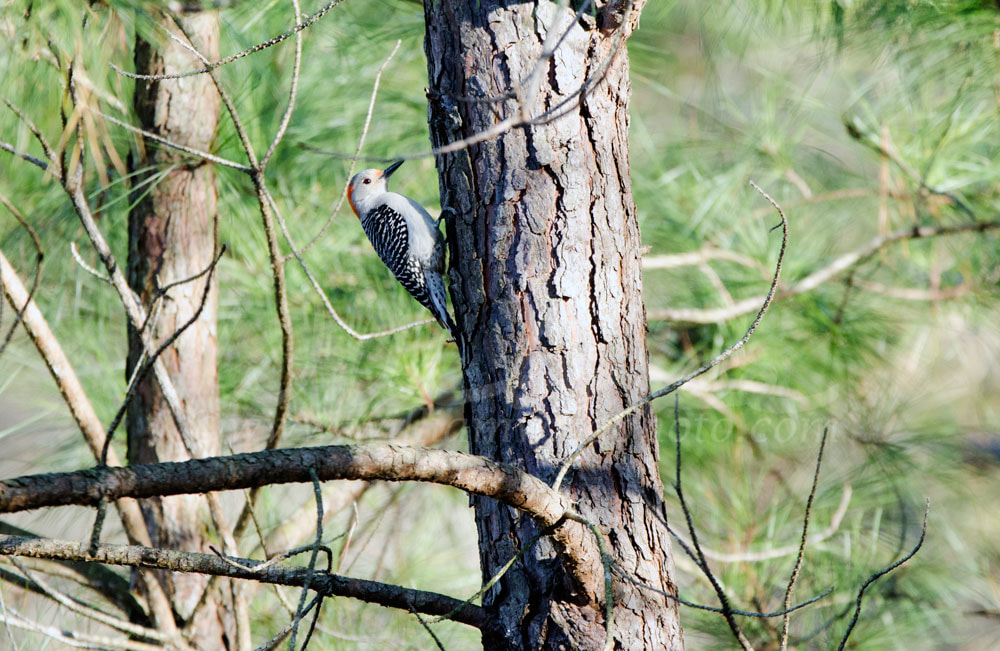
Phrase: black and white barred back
(386, 230)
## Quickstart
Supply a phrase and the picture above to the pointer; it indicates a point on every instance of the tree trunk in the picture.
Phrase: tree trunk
(172, 236)
(547, 290)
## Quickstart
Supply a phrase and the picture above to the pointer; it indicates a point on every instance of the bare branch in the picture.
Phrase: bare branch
(712, 609)
(785, 620)
(144, 367)
(86, 267)
(293, 89)
(300, 611)
(430, 631)
(323, 583)
(521, 118)
(90, 613)
(878, 575)
(820, 276)
(357, 152)
(701, 256)
(36, 276)
(86, 419)
(46, 147)
(174, 145)
(368, 462)
(748, 556)
(20, 154)
(277, 272)
(915, 293)
(727, 610)
(239, 55)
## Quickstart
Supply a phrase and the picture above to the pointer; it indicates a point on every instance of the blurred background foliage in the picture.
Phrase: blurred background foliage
(859, 117)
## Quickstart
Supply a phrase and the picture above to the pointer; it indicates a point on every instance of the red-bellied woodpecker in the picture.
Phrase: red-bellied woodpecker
(405, 237)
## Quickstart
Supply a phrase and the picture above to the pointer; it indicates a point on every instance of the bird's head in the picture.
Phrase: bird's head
(368, 184)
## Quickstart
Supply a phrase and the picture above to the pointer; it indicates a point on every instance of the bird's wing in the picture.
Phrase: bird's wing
(389, 233)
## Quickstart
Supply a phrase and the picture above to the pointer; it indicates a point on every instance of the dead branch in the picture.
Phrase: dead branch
(323, 583)
(467, 472)
(699, 555)
(785, 620)
(357, 152)
(748, 556)
(292, 90)
(209, 67)
(820, 276)
(86, 419)
(36, 277)
(295, 527)
(701, 256)
(878, 575)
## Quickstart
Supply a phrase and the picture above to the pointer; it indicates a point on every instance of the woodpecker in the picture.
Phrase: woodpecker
(405, 237)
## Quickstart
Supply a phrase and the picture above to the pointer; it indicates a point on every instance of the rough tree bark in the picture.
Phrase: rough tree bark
(172, 236)
(548, 297)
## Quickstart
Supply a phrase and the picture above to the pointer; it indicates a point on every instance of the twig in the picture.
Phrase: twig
(239, 55)
(727, 610)
(670, 388)
(607, 562)
(20, 154)
(86, 267)
(90, 613)
(36, 276)
(276, 261)
(429, 630)
(182, 561)
(293, 89)
(342, 555)
(74, 638)
(322, 294)
(712, 609)
(878, 575)
(83, 413)
(284, 632)
(299, 612)
(499, 574)
(6, 624)
(174, 145)
(820, 276)
(701, 256)
(39, 136)
(521, 119)
(757, 557)
(143, 367)
(802, 545)
(357, 152)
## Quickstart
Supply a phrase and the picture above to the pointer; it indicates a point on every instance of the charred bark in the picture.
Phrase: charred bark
(547, 290)
(172, 236)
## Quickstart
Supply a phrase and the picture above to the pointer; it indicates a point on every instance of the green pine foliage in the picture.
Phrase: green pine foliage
(803, 98)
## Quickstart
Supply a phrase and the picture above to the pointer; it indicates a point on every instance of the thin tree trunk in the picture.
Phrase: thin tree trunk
(172, 236)
(548, 297)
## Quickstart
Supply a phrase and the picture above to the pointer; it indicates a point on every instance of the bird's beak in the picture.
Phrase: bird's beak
(387, 172)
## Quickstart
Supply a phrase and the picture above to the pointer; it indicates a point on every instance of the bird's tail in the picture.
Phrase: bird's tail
(439, 306)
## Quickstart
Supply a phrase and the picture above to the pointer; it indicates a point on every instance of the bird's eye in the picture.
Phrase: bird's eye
(367, 181)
